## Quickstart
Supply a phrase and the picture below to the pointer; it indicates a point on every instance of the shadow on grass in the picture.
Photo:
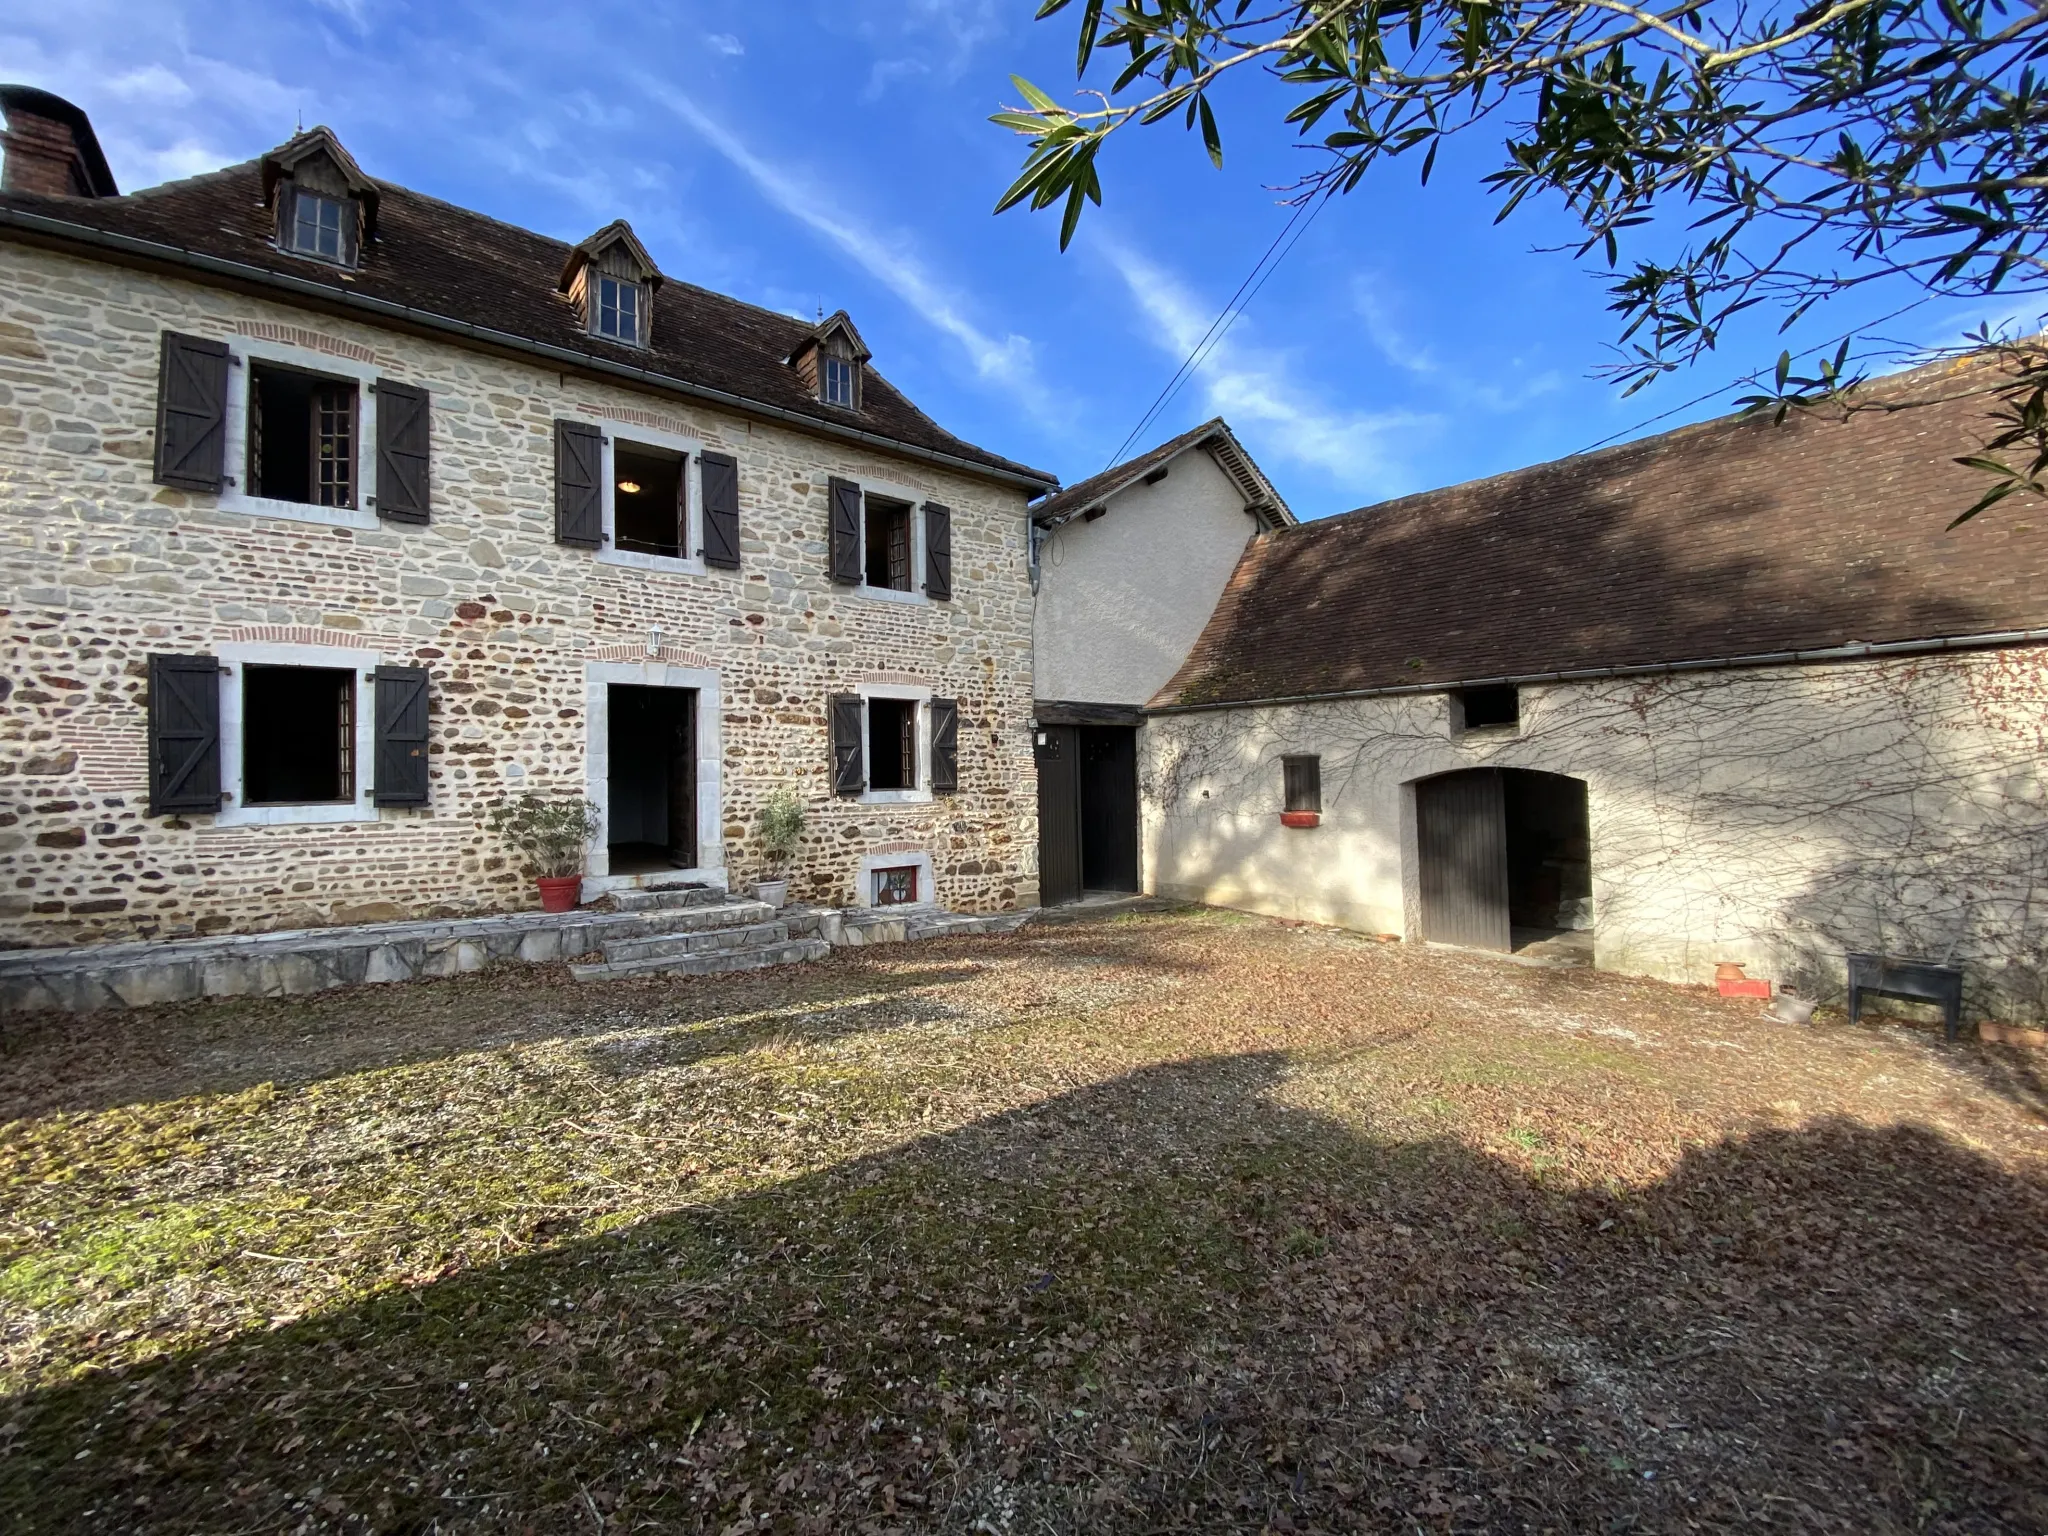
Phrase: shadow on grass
(1163, 1302)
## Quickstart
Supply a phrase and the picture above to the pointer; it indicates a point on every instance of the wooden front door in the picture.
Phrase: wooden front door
(1109, 807)
(1059, 814)
(682, 781)
(1461, 827)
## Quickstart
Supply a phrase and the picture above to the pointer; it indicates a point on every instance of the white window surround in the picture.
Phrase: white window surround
(864, 882)
(599, 677)
(608, 552)
(234, 658)
(916, 500)
(921, 729)
(234, 496)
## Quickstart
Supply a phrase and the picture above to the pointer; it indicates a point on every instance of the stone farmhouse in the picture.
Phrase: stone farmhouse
(331, 514)
(1729, 694)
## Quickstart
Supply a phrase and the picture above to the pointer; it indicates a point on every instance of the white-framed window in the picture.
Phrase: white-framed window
(892, 543)
(619, 310)
(301, 435)
(896, 743)
(837, 380)
(297, 734)
(317, 225)
(653, 499)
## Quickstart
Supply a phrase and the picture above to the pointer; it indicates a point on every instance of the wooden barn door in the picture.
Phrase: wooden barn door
(1109, 807)
(1461, 826)
(1059, 814)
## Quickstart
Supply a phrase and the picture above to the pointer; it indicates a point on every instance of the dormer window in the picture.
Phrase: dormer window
(838, 379)
(317, 224)
(618, 310)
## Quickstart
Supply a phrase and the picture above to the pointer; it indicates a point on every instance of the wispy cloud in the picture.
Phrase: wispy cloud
(1006, 361)
(1261, 390)
(1393, 341)
(724, 43)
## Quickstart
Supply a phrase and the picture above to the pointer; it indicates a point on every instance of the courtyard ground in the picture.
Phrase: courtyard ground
(1172, 1221)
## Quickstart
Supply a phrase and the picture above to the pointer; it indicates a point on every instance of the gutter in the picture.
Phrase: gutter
(1856, 651)
(62, 233)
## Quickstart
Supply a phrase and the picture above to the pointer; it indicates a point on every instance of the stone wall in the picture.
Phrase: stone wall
(1775, 817)
(99, 568)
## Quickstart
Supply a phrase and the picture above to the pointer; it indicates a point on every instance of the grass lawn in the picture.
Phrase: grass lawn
(1171, 1222)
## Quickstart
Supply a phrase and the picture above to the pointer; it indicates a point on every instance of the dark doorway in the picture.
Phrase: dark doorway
(1506, 861)
(1087, 811)
(651, 782)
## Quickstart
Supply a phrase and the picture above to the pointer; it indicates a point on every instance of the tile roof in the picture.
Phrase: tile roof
(1735, 538)
(1214, 434)
(441, 261)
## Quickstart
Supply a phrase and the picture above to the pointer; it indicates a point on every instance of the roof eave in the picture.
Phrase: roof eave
(36, 228)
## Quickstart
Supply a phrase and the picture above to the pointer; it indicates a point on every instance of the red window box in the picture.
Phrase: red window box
(1301, 818)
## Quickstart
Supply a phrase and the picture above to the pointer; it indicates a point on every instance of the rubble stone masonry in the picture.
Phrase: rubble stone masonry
(100, 568)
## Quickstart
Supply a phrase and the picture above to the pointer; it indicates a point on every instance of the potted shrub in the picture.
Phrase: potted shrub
(553, 835)
(782, 827)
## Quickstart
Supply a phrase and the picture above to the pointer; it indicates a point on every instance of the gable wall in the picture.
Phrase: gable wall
(1775, 817)
(99, 568)
(1121, 600)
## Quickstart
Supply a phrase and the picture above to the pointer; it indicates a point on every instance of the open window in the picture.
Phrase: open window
(298, 736)
(1498, 707)
(883, 542)
(302, 436)
(886, 541)
(892, 744)
(650, 500)
(1301, 783)
(895, 745)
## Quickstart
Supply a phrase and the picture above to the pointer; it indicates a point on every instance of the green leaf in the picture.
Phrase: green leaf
(1211, 139)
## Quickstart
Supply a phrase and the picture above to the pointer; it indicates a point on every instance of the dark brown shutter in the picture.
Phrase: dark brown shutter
(721, 510)
(403, 437)
(938, 551)
(401, 737)
(845, 563)
(945, 746)
(184, 734)
(579, 488)
(191, 413)
(849, 724)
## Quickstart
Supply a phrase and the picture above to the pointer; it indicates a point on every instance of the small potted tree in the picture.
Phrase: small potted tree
(553, 835)
(782, 827)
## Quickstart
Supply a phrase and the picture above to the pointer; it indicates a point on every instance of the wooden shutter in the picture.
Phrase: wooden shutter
(945, 746)
(191, 413)
(721, 510)
(938, 551)
(849, 724)
(401, 777)
(184, 734)
(845, 561)
(579, 484)
(402, 449)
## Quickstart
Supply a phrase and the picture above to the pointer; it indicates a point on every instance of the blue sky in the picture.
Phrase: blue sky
(834, 153)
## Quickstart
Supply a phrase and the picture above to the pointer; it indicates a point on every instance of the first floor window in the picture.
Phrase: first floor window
(298, 735)
(838, 380)
(302, 436)
(888, 543)
(1302, 783)
(649, 500)
(618, 310)
(317, 225)
(892, 744)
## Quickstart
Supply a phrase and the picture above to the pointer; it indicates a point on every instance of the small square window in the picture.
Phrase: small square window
(1480, 708)
(888, 544)
(892, 744)
(838, 379)
(896, 887)
(298, 735)
(618, 311)
(1302, 783)
(318, 227)
(302, 437)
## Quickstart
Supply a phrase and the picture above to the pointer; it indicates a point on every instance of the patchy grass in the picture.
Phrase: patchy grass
(1166, 1221)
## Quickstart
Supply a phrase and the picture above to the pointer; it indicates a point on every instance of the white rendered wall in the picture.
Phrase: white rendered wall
(1776, 817)
(1122, 599)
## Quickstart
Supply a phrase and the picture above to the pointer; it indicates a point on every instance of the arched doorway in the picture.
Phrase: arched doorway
(1506, 861)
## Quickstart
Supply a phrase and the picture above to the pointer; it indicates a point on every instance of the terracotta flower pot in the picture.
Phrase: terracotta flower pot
(560, 893)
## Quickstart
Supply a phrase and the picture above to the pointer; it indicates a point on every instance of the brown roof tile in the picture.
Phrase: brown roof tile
(1737, 537)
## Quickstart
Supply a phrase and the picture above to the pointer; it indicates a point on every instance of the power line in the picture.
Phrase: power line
(1304, 214)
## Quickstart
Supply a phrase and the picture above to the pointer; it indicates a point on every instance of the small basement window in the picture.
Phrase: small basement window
(649, 513)
(318, 226)
(837, 379)
(896, 887)
(619, 310)
(892, 744)
(302, 437)
(1479, 708)
(298, 735)
(1302, 783)
(888, 544)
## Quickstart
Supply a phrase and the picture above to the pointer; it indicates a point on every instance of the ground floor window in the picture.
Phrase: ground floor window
(298, 735)
(896, 887)
(302, 436)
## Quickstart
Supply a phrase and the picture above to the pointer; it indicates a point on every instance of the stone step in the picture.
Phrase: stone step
(882, 926)
(749, 957)
(716, 917)
(702, 941)
(662, 897)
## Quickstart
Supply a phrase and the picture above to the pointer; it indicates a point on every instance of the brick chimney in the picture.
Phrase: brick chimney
(48, 147)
